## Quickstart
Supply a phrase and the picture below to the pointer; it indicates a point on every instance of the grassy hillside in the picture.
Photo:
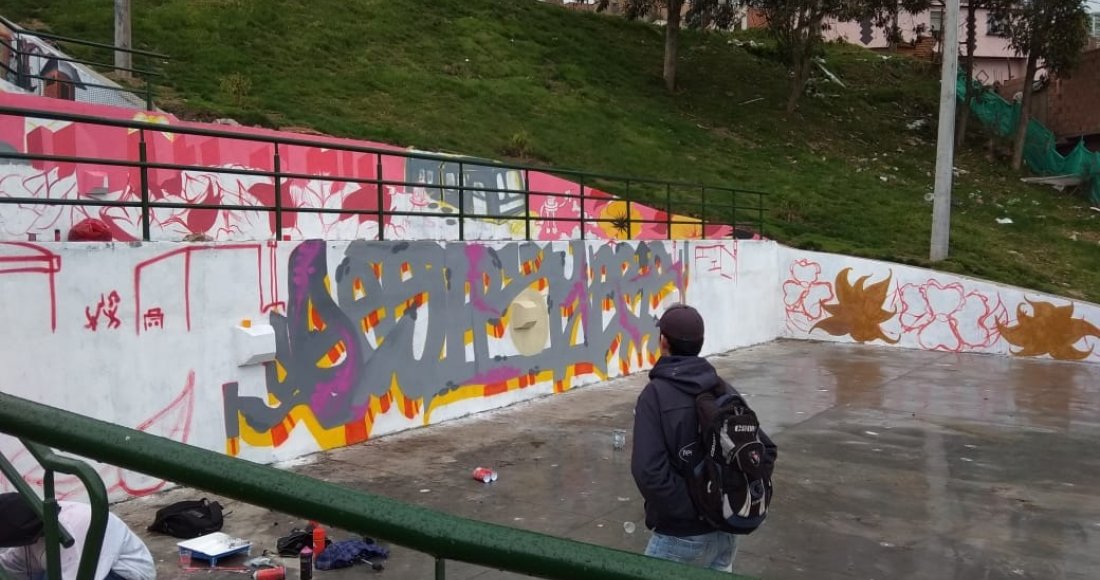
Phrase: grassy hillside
(499, 77)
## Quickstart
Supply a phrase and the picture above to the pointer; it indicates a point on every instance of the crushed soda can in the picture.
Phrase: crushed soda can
(484, 474)
(278, 573)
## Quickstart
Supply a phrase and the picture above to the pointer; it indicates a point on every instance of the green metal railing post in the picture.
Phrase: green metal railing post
(629, 217)
(461, 201)
(440, 569)
(703, 218)
(733, 211)
(278, 194)
(527, 204)
(19, 72)
(143, 157)
(668, 208)
(50, 524)
(148, 93)
(582, 212)
(760, 214)
(381, 199)
(55, 534)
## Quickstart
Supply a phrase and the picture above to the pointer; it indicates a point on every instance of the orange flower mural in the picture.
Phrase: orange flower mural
(616, 223)
(858, 310)
(1049, 329)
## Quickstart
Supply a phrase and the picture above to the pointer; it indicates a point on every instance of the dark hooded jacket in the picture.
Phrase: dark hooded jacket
(666, 442)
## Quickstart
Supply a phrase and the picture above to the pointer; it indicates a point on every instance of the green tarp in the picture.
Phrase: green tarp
(999, 116)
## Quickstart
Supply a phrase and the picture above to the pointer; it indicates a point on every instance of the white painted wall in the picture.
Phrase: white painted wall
(169, 379)
(175, 379)
(929, 310)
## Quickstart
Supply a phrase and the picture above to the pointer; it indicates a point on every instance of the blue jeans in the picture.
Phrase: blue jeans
(715, 550)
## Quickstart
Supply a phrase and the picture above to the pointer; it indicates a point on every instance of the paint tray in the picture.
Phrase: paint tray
(214, 547)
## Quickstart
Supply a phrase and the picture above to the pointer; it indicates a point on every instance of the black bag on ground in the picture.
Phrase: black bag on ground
(189, 519)
(732, 485)
(292, 543)
(19, 525)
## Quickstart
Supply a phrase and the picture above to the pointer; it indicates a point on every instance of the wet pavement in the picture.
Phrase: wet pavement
(892, 464)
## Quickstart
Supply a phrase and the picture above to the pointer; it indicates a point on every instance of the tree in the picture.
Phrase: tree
(1053, 31)
(701, 14)
(797, 27)
(963, 114)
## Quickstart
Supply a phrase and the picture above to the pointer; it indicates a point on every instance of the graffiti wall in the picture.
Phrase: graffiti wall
(225, 173)
(34, 66)
(269, 351)
(831, 297)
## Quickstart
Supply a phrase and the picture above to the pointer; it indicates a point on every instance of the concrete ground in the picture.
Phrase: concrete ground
(892, 464)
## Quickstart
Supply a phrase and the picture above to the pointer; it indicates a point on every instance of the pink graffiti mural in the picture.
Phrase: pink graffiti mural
(172, 422)
(418, 186)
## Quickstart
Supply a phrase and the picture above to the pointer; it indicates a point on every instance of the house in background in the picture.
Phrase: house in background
(995, 61)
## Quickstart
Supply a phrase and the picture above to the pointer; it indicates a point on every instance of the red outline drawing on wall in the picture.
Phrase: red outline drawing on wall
(264, 305)
(42, 262)
(948, 317)
(805, 295)
(172, 422)
(717, 258)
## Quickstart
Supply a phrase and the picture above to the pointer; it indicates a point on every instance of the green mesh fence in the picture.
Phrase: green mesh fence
(999, 116)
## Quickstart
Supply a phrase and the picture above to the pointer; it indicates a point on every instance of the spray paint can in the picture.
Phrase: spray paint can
(306, 559)
(318, 538)
(484, 474)
(270, 574)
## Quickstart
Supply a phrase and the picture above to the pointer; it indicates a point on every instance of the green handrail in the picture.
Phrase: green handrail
(444, 536)
(48, 509)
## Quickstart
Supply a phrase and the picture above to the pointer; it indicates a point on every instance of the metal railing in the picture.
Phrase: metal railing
(707, 205)
(443, 536)
(55, 535)
(23, 52)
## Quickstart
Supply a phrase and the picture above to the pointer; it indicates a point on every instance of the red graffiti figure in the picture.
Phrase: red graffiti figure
(107, 306)
(154, 318)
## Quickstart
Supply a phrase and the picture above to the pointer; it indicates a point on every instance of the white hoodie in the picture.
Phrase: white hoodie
(122, 553)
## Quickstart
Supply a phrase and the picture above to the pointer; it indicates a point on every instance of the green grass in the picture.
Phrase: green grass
(493, 77)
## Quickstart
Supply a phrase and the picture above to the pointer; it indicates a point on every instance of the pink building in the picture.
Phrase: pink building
(996, 62)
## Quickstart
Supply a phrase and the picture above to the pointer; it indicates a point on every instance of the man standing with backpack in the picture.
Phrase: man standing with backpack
(699, 457)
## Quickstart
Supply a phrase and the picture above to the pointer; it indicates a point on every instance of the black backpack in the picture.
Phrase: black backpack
(731, 486)
(19, 524)
(189, 519)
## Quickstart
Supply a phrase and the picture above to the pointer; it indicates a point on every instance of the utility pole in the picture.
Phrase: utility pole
(123, 60)
(945, 140)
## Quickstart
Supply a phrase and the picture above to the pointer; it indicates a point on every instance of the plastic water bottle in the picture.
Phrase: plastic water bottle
(618, 439)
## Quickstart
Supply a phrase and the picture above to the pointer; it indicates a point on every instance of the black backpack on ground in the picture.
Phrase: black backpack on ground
(189, 519)
(732, 486)
(19, 524)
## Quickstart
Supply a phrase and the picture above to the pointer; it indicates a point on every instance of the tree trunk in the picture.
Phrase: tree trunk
(894, 28)
(672, 42)
(971, 46)
(802, 54)
(798, 81)
(1025, 114)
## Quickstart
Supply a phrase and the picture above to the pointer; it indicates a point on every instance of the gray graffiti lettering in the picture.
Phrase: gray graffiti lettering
(403, 312)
